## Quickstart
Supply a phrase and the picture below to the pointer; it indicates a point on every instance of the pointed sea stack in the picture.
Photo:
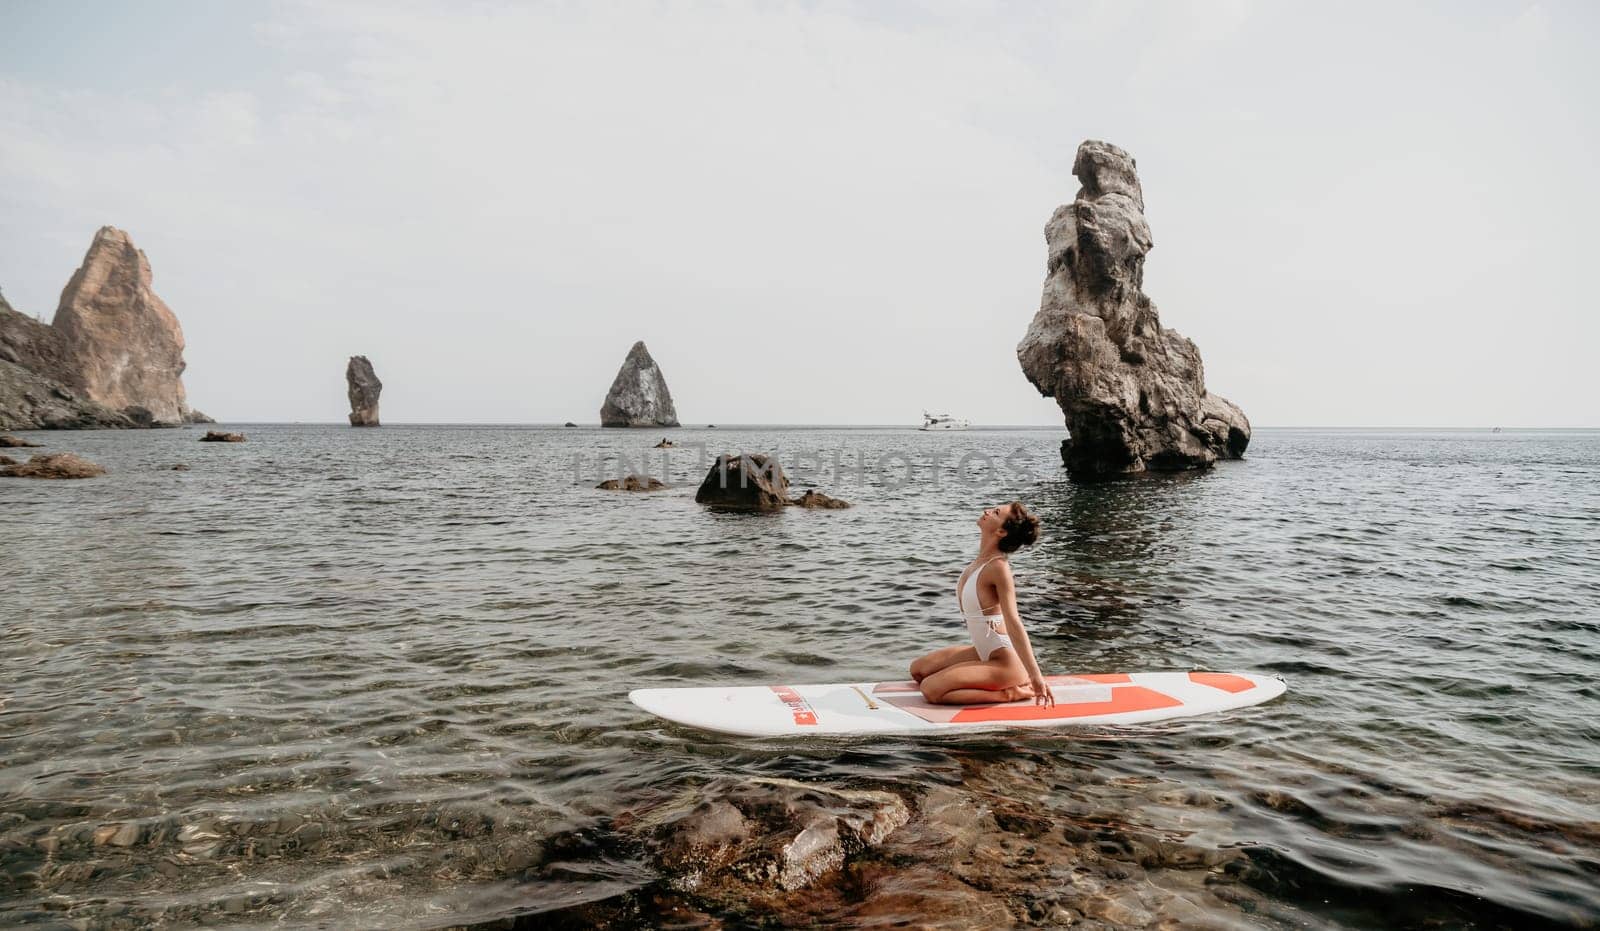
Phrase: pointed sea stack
(364, 388)
(639, 395)
(1134, 394)
(122, 343)
(112, 358)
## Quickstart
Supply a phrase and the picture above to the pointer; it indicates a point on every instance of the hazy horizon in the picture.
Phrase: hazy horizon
(1341, 428)
(820, 214)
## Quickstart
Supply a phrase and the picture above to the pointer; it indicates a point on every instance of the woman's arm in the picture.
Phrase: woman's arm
(1006, 588)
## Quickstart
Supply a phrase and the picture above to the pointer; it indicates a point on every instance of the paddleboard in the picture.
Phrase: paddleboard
(898, 707)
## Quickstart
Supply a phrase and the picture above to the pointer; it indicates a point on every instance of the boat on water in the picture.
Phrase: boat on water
(942, 422)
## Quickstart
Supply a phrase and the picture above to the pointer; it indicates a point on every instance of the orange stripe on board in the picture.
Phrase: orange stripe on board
(1124, 699)
(797, 706)
(1226, 681)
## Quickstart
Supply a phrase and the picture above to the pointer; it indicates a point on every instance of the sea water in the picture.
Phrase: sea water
(358, 678)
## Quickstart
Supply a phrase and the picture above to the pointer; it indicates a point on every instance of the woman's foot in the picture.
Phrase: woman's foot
(1018, 692)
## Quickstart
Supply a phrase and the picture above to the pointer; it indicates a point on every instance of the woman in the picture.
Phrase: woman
(999, 666)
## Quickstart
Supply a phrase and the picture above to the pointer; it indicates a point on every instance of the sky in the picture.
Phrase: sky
(1365, 214)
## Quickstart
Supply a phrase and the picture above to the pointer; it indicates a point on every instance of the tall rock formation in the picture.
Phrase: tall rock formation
(124, 346)
(1133, 393)
(639, 395)
(113, 357)
(364, 389)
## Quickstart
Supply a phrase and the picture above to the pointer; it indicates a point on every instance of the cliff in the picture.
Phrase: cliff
(35, 377)
(112, 357)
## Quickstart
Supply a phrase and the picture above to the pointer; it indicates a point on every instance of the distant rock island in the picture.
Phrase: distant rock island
(639, 395)
(112, 357)
(364, 388)
(1133, 393)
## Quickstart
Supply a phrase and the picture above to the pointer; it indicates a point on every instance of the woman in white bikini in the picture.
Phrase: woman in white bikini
(999, 666)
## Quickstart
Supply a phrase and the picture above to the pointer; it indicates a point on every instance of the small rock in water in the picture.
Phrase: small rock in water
(816, 499)
(180, 467)
(309, 833)
(664, 444)
(190, 833)
(126, 836)
(569, 424)
(7, 441)
(54, 465)
(218, 436)
(745, 482)
(7, 460)
(632, 483)
(708, 839)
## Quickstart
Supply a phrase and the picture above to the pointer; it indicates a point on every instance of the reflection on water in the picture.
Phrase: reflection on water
(377, 678)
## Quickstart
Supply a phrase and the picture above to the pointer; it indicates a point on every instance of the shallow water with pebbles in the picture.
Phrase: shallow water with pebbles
(377, 678)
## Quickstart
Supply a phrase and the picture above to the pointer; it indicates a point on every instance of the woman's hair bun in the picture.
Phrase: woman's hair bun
(1021, 527)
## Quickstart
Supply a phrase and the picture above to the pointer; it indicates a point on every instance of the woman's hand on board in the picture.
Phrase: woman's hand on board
(1042, 696)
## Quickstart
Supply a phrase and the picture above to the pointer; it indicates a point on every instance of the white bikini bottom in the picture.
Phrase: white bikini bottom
(987, 636)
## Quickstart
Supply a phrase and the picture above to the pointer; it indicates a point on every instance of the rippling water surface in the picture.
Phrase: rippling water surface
(360, 678)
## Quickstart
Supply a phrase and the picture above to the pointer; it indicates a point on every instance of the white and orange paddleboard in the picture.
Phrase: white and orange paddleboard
(899, 708)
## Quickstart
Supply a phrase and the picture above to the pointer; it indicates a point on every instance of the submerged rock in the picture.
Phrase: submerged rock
(1133, 393)
(218, 436)
(7, 460)
(53, 465)
(180, 467)
(363, 388)
(732, 838)
(664, 444)
(816, 499)
(632, 483)
(745, 482)
(638, 395)
(122, 344)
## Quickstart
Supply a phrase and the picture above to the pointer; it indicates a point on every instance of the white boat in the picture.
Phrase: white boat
(941, 422)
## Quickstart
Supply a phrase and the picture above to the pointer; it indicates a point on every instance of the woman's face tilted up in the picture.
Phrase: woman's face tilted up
(992, 520)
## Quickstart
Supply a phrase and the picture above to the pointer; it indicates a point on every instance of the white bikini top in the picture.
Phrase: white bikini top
(969, 592)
